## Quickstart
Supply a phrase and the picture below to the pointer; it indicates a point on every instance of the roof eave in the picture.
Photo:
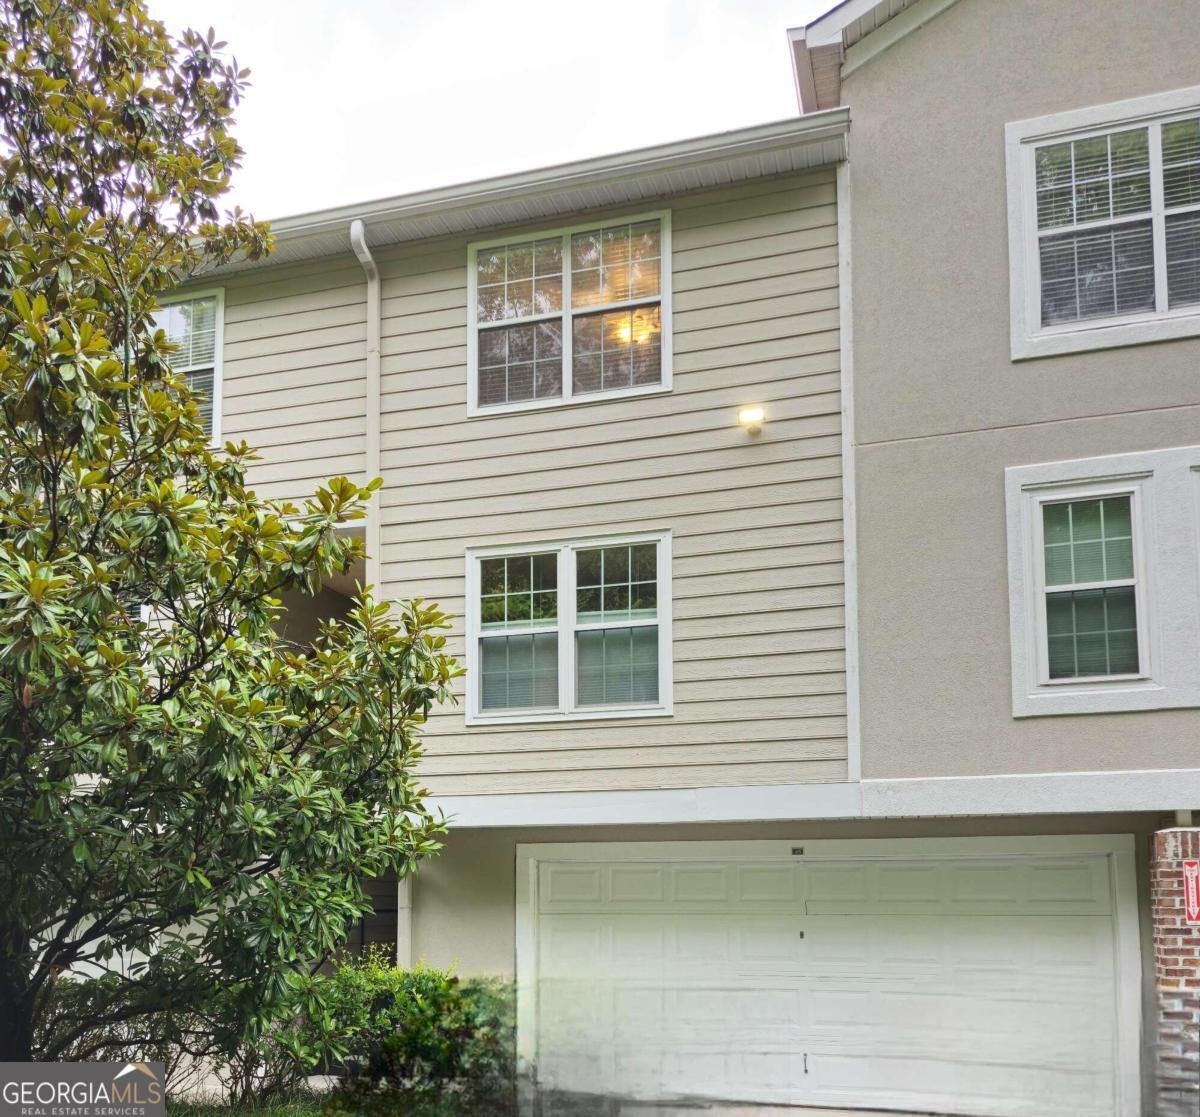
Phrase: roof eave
(809, 140)
(816, 66)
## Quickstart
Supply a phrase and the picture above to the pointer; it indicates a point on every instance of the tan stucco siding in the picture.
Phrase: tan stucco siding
(941, 408)
(294, 373)
(756, 523)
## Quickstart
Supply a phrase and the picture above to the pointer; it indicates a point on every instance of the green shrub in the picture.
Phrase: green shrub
(417, 1041)
(298, 1103)
(404, 1043)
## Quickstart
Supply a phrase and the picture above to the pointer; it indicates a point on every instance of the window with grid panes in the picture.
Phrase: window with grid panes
(192, 325)
(616, 624)
(1118, 222)
(1090, 588)
(569, 630)
(518, 619)
(574, 314)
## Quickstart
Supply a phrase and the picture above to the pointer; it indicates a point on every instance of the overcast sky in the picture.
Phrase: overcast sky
(363, 99)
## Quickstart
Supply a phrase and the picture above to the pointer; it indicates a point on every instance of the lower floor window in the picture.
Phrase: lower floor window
(1104, 603)
(570, 629)
(1091, 588)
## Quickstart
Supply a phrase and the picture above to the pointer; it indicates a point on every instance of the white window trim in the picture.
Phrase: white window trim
(568, 398)
(567, 710)
(1165, 509)
(1029, 337)
(218, 347)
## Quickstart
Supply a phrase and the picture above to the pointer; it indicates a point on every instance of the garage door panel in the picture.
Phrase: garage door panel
(1046, 948)
(967, 986)
(684, 887)
(915, 1021)
(1076, 886)
(957, 1085)
(672, 945)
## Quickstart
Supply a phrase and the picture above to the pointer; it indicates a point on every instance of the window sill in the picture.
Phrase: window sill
(1117, 696)
(474, 411)
(1107, 334)
(625, 713)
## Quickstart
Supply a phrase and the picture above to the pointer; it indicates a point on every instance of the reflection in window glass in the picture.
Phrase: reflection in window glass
(614, 316)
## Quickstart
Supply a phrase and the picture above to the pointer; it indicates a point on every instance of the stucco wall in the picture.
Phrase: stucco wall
(942, 409)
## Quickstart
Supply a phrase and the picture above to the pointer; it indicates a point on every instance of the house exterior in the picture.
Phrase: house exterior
(817, 505)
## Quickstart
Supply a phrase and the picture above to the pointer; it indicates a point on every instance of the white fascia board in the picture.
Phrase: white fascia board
(802, 69)
(886, 35)
(1050, 793)
(758, 803)
(549, 194)
(584, 172)
(831, 27)
(1165, 789)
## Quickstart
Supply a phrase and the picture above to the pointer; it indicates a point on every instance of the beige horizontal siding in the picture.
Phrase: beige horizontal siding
(638, 779)
(759, 645)
(294, 374)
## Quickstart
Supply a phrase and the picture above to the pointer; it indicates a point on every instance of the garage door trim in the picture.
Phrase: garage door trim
(1117, 848)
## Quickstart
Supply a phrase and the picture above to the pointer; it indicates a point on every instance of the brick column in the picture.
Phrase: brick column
(1177, 976)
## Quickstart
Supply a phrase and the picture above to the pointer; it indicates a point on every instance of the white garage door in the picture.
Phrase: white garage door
(958, 985)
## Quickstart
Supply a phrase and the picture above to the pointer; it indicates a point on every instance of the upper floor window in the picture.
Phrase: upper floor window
(195, 325)
(577, 630)
(1104, 224)
(570, 315)
(1104, 596)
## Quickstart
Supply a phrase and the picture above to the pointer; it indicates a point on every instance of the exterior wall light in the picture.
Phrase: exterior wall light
(750, 419)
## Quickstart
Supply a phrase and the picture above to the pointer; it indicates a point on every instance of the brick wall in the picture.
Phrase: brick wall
(1177, 976)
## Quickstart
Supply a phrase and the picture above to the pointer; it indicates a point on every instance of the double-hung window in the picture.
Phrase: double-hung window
(569, 630)
(1105, 225)
(1089, 588)
(195, 325)
(1104, 583)
(570, 315)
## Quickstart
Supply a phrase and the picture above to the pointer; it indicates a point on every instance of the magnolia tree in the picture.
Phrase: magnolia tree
(187, 802)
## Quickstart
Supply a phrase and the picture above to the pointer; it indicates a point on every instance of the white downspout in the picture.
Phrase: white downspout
(374, 534)
(358, 241)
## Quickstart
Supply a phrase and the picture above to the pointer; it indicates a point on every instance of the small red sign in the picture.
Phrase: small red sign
(1191, 892)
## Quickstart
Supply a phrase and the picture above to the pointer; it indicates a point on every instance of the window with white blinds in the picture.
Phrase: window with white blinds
(194, 324)
(1105, 225)
(570, 315)
(576, 630)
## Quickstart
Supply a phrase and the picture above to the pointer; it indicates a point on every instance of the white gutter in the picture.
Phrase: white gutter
(374, 536)
(598, 171)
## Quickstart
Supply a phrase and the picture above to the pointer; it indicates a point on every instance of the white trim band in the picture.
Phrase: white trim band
(1166, 789)
(686, 804)
(1043, 793)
